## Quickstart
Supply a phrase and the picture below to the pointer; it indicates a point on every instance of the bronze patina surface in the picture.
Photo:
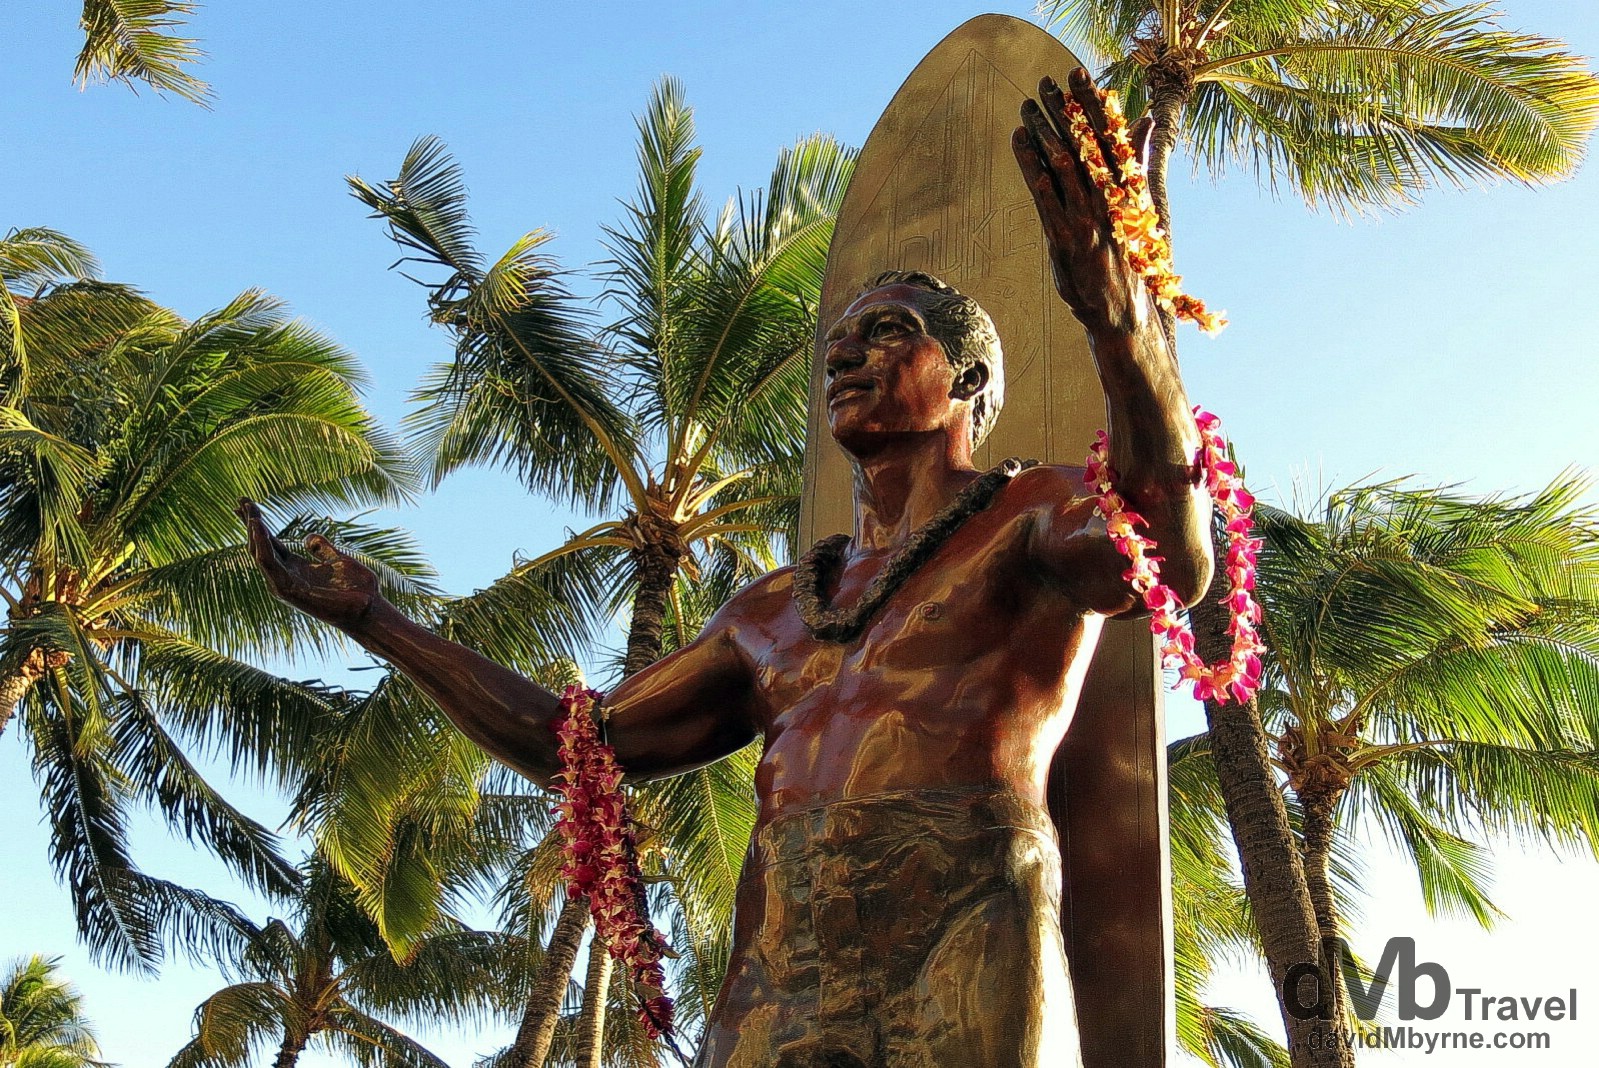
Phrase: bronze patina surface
(899, 900)
(936, 189)
(876, 920)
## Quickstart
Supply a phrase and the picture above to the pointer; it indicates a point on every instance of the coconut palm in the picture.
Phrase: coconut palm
(1211, 915)
(327, 975)
(41, 1019)
(126, 434)
(1354, 104)
(1433, 671)
(132, 41)
(680, 423)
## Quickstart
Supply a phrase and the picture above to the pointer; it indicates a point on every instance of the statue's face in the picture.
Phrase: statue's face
(886, 374)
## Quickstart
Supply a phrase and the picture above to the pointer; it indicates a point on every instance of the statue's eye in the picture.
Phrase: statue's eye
(887, 328)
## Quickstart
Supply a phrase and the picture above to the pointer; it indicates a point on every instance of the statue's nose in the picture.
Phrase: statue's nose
(844, 355)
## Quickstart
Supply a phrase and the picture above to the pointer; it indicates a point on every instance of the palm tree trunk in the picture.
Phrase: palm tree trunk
(1319, 806)
(1274, 875)
(293, 1044)
(13, 688)
(543, 1007)
(591, 1025)
(655, 567)
(1169, 93)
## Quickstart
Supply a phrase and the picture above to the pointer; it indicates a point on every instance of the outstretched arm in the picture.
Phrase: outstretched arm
(1152, 433)
(683, 712)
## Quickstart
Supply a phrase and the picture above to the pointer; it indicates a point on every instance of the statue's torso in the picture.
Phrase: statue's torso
(966, 676)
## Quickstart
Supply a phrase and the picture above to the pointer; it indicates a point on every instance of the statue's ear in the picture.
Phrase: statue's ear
(970, 382)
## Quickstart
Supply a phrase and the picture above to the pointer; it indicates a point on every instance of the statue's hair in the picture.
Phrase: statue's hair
(960, 324)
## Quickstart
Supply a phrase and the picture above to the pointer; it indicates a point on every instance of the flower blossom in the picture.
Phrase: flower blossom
(1238, 677)
(1133, 219)
(602, 855)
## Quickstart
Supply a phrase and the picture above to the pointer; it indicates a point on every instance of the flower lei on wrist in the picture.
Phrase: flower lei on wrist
(1133, 219)
(1136, 226)
(602, 855)
(1238, 675)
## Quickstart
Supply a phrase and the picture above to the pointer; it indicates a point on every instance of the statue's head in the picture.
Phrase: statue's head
(890, 311)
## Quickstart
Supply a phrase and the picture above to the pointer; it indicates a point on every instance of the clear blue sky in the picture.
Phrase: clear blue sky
(1450, 342)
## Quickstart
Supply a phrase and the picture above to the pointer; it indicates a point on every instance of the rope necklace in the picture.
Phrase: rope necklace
(827, 623)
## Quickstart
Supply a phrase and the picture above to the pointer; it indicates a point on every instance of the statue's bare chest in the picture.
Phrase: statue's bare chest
(961, 616)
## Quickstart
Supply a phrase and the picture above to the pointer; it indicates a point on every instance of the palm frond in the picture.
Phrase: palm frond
(244, 402)
(1354, 105)
(1369, 106)
(232, 1026)
(740, 362)
(41, 1018)
(216, 597)
(43, 481)
(33, 257)
(1453, 873)
(528, 389)
(372, 1043)
(457, 976)
(655, 250)
(145, 754)
(132, 41)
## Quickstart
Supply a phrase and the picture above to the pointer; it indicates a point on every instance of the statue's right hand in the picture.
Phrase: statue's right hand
(330, 586)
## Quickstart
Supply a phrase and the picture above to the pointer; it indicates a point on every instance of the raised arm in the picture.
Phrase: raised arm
(1152, 433)
(681, 713)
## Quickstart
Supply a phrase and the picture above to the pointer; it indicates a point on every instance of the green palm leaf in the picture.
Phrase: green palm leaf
(527, 389)
(132, 41)
(1353, 104)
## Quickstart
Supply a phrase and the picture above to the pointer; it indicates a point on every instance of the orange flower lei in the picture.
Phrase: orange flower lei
(1239, 675)
(1133, 218)
(602, 854)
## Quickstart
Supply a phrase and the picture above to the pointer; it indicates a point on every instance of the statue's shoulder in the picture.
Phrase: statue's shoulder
(1046, 485)
(757, 598)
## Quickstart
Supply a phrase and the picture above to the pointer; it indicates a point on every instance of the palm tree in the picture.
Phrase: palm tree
(1433, 670)
(686, 413)
(1211, 915)
(1357, 104)
(41, 1019)
(327, 974)
(132, 41)
(126, 434)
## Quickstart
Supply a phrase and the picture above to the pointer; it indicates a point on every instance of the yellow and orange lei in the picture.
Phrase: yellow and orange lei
(1133, 218)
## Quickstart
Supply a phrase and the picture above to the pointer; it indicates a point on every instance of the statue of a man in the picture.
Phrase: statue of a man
(899, 904)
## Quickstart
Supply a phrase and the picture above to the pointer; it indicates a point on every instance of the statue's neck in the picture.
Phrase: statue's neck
(903, 483)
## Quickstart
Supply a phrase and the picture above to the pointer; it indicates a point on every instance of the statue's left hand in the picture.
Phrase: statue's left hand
(1091, 271)
(331, 586)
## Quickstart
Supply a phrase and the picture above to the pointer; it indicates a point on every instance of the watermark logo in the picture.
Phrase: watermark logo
(1423, 989)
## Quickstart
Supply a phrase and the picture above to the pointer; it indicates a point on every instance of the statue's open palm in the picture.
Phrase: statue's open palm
(1091, 271)
(331, 586)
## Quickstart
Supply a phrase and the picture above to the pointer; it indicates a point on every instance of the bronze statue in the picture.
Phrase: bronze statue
(899, 904)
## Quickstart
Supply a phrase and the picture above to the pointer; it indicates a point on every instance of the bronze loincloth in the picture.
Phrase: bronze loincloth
(917, 929)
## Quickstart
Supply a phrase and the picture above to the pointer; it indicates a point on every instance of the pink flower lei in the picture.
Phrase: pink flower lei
(602, 855)
(1239, 675)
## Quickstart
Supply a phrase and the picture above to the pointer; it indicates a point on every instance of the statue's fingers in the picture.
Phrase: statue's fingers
(1040, 179)
(321, 549)
(1086, 95)
(260, 540)
(1069, 177)
(1049, 130)
(1059, 228)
